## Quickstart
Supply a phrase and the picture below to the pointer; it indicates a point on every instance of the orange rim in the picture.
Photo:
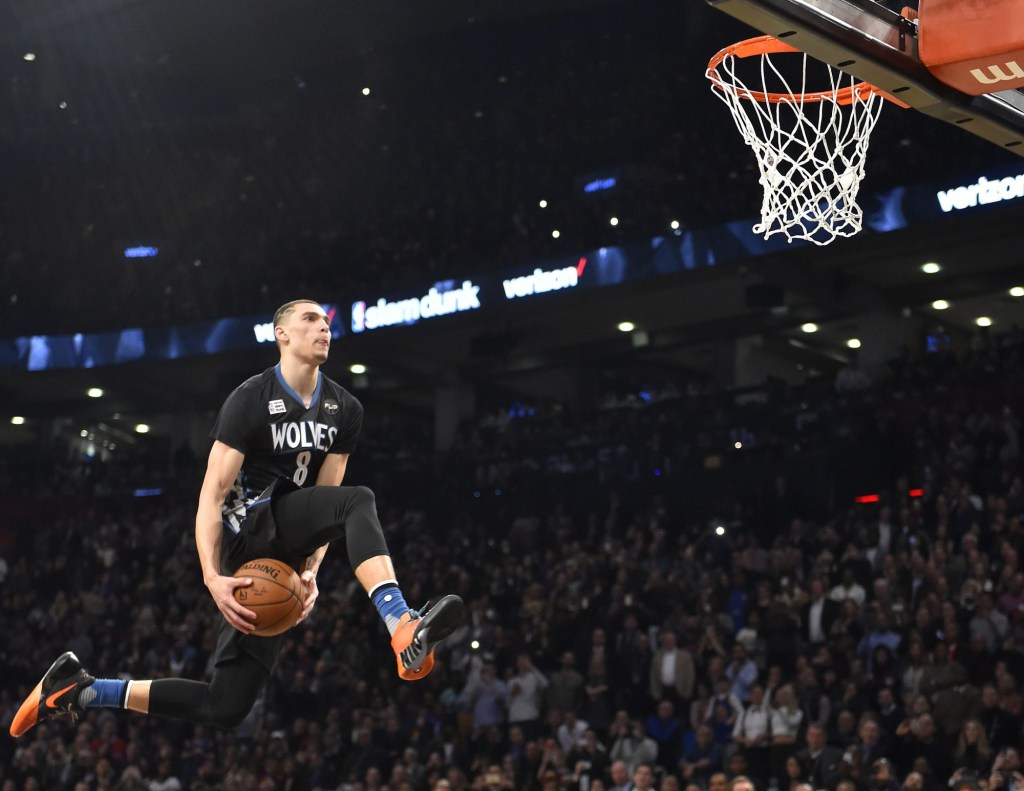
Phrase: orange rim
(769, 45)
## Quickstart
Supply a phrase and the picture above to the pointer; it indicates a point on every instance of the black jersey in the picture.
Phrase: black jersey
(267, 421)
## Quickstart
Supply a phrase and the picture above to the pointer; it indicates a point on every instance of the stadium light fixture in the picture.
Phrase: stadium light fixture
(940, 304)
(983, 321)
(931, 268)
(94, 392)
(809, 327)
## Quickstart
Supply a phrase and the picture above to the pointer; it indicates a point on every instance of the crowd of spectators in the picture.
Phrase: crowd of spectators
(618, 637)
(305, 185)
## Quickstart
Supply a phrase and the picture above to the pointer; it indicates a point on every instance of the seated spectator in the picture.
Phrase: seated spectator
(848, 588)
(819, 761)
(526, 696)
(882, 776)
(989, 623)
(571, 731)
(619, 777)
(565, 686)
(725, 700)
(1002, 729)
(751, 736)
(786, 719)
(643, 778)
(635, 748)
(667, 732)
(742, 672)
(702, 758)
(588, 760)
(844, 731)
(672, 673)
(920, 739)
(956, 703)
(890, 713)
(1006, 771)
(813, 702)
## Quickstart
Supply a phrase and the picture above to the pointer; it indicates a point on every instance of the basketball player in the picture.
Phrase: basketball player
(272, 489)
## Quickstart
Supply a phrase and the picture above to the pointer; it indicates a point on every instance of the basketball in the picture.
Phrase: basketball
(275, 595)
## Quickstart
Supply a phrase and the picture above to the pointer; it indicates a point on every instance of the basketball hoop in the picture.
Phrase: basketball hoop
(810, 145)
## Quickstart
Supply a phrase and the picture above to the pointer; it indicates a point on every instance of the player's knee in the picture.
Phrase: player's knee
(363, 497)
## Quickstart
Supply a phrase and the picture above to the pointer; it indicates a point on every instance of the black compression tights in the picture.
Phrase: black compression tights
(309, 518)
(223, 703)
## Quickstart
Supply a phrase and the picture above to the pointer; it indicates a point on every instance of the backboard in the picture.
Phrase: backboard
(875, 44)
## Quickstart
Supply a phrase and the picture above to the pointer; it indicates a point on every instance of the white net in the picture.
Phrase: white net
(810, 145)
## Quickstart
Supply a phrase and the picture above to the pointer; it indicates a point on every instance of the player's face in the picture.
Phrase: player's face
(306, 333)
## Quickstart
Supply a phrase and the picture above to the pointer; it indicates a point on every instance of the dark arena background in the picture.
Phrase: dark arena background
(719, 506)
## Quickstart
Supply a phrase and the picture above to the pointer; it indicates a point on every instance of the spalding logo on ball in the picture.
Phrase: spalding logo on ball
(275, 595)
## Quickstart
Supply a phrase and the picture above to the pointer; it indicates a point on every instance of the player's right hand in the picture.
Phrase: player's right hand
(222, 589)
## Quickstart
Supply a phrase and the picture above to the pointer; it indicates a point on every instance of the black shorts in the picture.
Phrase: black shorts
(256, 538)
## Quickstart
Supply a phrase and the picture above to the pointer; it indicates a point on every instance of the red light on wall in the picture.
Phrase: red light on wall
(867, 498)
(916, 493)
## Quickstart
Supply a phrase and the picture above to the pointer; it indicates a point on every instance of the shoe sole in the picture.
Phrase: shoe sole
(440, 621)
(28, 713)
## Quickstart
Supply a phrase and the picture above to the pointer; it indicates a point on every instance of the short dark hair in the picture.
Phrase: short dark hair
(286, 309)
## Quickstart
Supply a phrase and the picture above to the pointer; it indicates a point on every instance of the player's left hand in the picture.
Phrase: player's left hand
(309, 584)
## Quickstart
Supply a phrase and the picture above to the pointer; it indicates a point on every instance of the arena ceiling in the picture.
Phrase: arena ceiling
(689, 319)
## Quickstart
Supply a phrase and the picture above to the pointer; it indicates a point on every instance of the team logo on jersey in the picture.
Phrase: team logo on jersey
(331, 407)
(277, 406)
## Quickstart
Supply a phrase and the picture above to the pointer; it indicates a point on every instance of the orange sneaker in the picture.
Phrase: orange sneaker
(55, 694)
(419, 632)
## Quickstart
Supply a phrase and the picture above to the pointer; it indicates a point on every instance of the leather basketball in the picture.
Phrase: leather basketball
(275, 595)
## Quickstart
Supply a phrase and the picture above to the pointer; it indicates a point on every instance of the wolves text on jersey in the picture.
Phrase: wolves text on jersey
(303, 434)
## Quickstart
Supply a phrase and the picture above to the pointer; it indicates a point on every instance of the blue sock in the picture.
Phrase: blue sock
(390, 603)
(107, 693)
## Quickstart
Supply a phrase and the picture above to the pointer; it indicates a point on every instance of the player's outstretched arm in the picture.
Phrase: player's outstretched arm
(221, 471)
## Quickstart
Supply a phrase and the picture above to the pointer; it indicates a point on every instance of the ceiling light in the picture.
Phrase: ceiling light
(1017, 291)
(983, 321)
(142, 428)
(357, 368)
(543, 204)
(83, 433)
(29, 56)
(940, 304)
(366, 91)
(555, 234)
(626, 326)
(931, 268)
(674, 225)
(809, 327)
(613, 221)
(94, 392)
(17, 420)
(853, 343)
